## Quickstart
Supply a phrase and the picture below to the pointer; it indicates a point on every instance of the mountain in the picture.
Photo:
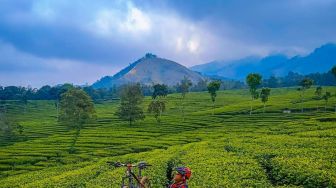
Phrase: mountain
(148, 70)
(320, 60)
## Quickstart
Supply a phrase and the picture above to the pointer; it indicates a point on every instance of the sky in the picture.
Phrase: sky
(79, 41)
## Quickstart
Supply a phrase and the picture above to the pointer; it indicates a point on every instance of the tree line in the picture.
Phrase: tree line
(75, 106)
(292, 79)
(53, 92)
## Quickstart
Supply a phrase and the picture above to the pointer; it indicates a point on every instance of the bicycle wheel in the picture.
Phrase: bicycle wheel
(145, 181)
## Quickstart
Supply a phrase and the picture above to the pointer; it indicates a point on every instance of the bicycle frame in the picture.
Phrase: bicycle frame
(130, 176)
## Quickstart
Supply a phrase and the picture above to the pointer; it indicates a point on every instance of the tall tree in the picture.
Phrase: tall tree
(76, 109)
(305, 84)
(333, 71)
(213, 87)
(318, 93)
(253, 80)
(184, 87)
(160, 90)
(130, 103)
(326, 97)
(264, 95)
(58, 95)
(158, 105)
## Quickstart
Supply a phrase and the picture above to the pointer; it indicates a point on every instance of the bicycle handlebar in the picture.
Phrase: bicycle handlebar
(119, 164)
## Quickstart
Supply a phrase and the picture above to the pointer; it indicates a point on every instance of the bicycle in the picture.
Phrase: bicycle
(141, 181)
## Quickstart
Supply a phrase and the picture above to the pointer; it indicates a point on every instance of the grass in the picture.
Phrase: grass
(227, 149)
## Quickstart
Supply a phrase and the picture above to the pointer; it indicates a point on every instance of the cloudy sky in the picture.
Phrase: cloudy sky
(79, 41)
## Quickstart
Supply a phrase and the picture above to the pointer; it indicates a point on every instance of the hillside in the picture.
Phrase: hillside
(320, 60)
(148, 70)
(228, 149)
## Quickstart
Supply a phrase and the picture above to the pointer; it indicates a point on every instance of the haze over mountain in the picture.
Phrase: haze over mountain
(320, 60)
(148, 70)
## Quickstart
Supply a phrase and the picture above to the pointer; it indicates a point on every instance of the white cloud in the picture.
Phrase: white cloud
(170, 35)
(136, 21)
(114, 22)
(193, 46)
(130, 31)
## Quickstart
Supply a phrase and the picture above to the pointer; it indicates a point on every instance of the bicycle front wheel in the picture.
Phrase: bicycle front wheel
(145, 181)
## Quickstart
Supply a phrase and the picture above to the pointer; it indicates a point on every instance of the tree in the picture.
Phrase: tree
(183, 87)
(10, 129)
(130, 103)
(57, 93)
(305, 84)
(318, 93)
(160, 90)
(157, 105)
(253, 80)
(333, 71)
(213, 87)
(326, 97)
(264, 95)
(76, 109)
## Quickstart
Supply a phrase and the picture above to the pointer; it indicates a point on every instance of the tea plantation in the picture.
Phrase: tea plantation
(229, 148)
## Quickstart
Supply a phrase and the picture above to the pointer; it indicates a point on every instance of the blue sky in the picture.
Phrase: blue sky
(79, 41)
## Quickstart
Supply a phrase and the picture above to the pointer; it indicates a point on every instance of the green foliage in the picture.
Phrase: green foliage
(157, 107)
(264, 95)
(318, 92)
(306, 83)
(158, 104)
(333, 70)
(253, 80)
(184, 86)
(130, 100)
(326, 97)
(228, 149)
(213, 87)
(160, 90)
(76, 108)
(9, 128)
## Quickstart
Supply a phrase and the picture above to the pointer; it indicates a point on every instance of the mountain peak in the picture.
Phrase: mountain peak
(150, 55)
(149, 70)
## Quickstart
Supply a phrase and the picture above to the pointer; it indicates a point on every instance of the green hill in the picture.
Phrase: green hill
(227, 149)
